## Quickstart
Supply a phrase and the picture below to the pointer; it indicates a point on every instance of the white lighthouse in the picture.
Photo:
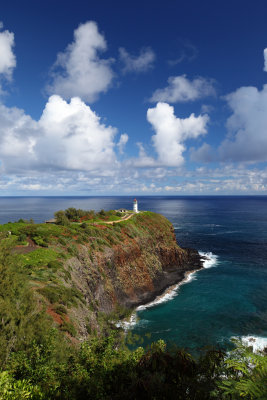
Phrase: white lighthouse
(135, 206)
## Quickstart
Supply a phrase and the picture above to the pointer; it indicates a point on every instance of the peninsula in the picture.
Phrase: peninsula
(86, 268)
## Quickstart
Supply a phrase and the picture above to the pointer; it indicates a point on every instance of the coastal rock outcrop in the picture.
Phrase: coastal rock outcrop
(134, 271)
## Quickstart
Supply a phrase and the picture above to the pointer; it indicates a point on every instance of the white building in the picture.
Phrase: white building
(135, 206)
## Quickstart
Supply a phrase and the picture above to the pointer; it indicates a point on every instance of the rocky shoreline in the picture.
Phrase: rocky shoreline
(170, 276)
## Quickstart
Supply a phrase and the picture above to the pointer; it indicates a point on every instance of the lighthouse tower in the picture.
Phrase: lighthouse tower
(135, 206)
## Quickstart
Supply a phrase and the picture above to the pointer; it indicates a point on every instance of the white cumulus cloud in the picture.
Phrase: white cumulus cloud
(141, 63)
(172, 132)
(79, 71)
(74, 136)
(68, 136)
(181, 89)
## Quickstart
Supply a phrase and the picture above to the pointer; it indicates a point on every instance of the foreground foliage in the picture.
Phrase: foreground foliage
(245, 374)
(100, 369)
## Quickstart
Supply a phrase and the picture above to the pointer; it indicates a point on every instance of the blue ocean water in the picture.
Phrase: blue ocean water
(228, 299)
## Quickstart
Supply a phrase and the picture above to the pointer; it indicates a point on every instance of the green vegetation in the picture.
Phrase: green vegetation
(104, 369)
(81, 216)
(41, 357)
(63, 295)
(38, 257)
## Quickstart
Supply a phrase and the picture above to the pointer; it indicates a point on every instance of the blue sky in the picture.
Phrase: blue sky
(144, 97)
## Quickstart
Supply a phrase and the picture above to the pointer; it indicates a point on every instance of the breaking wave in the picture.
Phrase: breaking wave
(211, 259)
(257, 342)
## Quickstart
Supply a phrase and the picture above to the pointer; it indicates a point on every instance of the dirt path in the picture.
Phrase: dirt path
(119, 220)
(22, 249)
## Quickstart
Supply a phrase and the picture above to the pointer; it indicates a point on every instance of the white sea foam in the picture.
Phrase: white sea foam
(257, 342)
(211, 260)
(127, 324)
(170, 293)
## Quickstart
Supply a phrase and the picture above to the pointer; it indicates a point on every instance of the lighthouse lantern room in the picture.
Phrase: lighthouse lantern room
(135, 206)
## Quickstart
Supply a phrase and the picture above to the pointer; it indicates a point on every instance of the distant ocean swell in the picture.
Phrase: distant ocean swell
(210, 261)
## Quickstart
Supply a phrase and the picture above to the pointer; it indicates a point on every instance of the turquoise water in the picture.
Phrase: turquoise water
(228, 299)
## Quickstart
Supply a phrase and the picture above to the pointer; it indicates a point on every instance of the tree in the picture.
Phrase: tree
(61, 218)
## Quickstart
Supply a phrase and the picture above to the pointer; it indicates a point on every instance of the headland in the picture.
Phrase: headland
(86, 268)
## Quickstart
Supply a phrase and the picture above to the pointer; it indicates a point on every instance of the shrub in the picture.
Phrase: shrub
(40, 241)
(102, 213)
(61, 218)
(22, 237)
(12, 389)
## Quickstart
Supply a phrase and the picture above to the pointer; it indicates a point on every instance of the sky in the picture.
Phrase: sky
(133, 98)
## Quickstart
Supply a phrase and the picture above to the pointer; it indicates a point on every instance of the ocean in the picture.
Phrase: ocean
(226, 299)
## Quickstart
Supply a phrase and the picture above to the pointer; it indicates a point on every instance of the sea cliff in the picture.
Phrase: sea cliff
(85, 273)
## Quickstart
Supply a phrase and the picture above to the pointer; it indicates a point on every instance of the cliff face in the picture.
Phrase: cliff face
(133, 271)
